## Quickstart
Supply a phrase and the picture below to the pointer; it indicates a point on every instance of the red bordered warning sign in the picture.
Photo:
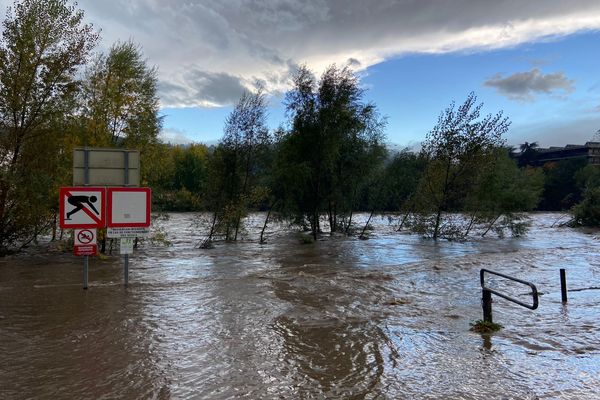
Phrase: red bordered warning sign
(82, 207)
(85, 242)
(129, 207)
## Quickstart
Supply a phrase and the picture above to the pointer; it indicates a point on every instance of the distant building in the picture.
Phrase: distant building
(590, 151)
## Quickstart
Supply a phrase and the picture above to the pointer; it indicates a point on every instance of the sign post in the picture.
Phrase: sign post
(85, 242)
(128, 218)
(83, 209)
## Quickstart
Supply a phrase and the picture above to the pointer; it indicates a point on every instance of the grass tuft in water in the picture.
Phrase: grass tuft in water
(481, 326)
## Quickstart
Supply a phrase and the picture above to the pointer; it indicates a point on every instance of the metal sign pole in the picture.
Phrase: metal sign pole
(86, 174)
(126, 183)
(85, 271)
(126, 269)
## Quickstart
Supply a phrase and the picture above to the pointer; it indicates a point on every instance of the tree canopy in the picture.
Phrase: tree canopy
(43, 44)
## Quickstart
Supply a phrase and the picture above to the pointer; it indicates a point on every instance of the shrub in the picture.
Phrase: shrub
(587, 212)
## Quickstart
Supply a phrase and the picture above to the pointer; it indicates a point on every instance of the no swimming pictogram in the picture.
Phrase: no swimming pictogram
(82, 207)
(85, 236)
(85, 242)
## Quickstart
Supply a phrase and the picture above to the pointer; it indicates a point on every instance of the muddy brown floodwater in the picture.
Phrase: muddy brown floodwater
(342, 318)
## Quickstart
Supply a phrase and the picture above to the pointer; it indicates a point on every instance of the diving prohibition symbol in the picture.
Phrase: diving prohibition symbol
(82, 207)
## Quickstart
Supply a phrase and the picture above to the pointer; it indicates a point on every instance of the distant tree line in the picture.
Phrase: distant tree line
(326, 162)
(331, 161)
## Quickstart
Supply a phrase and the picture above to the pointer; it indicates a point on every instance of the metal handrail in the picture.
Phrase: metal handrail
(487, 293)
(534, 291)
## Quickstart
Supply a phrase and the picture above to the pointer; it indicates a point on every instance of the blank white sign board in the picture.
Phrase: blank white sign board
(128, 207)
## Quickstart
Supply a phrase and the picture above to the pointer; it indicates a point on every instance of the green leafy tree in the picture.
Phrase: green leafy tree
(190, 175)
(237, 164)
(587, 212)
(43, 45)
(120, 104)
(190, 167)
(400, 181)
(120, 101)
(561, 189)
(334, 144)
(502, 193)
(402, 176)
(457, 150)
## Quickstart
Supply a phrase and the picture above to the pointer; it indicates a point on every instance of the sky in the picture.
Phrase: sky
(535, 60)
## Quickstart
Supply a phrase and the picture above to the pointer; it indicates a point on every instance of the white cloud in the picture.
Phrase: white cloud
(206, 50)
(174, 136)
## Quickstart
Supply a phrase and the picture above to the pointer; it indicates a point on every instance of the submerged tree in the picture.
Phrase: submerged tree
(401, 180)
(561, 189)
(587, 212)
(42, 46)
(334, 144)
(457, 150)
(237, 164)
(502, 193)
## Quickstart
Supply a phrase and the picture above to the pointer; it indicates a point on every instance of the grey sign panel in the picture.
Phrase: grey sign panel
(106, 167)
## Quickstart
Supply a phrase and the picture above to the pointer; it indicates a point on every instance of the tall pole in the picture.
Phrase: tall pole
(126, 183)
(486, 303)
(85, 271)
(86, 181)
(126, 270)
(563, 285)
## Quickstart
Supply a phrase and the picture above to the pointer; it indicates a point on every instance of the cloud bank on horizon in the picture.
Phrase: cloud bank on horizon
(208, 52)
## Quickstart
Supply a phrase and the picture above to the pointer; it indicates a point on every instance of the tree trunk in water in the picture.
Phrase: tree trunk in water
(227, 237)
(470, 224)
(262, 232)
(237, 227)
(403, 220)
(212, 227)
(243, 196)
(330, 215)
(436, 230)
(335, 219)
(350, 222)
(314, 224)
(54, 227)
(206, 242)
(362, 234)
(490, 225)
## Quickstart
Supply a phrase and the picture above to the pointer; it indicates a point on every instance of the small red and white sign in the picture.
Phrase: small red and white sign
(85, 242)
(85, 236)
(128, 207)
(82, 207)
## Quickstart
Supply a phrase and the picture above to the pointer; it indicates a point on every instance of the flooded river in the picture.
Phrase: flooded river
(387, 317)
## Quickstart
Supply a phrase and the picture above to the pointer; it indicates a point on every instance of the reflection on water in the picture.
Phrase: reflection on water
(341, 318)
